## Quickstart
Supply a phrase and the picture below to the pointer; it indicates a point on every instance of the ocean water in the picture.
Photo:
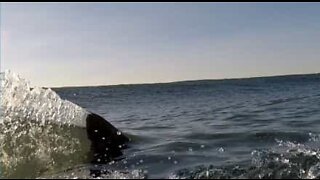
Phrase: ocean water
(241, 128)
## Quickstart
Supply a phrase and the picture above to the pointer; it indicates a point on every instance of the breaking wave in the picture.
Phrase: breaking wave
(288, 160)
(39, 132)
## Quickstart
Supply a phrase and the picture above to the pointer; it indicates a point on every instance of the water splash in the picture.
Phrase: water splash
(39, 131)
(19, 100)
(289, 161)
(97, 172)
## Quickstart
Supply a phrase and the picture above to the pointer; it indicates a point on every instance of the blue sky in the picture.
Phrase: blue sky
(55, 44)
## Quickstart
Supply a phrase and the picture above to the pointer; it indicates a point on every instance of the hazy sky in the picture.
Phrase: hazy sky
(54, 44)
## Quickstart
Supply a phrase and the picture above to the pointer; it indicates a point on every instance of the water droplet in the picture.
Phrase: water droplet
(202, 146)
(141, 161)
(221, 149)
(103, 138)
(112, 162)
(286, 161)
(119, 133)
(175, 162)
(169, 158)
(96, 130)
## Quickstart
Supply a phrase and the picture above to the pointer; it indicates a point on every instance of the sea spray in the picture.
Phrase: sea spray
(39, 132)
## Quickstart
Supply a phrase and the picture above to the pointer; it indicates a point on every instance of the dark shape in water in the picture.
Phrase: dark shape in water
(106, 140)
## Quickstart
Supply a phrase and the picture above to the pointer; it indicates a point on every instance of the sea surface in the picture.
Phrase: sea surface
(266, 127)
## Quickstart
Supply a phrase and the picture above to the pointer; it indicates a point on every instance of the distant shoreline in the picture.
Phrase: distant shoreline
(186, 81)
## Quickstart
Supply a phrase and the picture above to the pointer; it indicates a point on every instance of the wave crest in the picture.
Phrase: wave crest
(39, 131)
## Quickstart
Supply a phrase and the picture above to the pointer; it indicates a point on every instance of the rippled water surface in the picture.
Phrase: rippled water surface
(208, 128)
(245, 128)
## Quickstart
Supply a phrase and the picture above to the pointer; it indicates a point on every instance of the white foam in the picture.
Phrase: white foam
(33, 131)
(38, 104)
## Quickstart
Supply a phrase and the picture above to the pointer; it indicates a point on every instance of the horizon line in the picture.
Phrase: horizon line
(181, 81)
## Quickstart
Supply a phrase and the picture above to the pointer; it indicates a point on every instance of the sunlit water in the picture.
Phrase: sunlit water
(246, 128)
